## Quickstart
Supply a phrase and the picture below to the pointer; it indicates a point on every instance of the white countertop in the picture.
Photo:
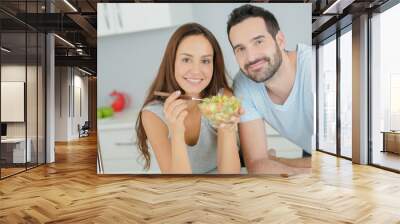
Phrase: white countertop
(124, 119)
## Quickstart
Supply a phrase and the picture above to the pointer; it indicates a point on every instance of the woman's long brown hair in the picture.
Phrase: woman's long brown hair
(166, 82)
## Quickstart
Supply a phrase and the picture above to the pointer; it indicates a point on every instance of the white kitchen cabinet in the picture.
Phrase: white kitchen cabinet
(120, 18)
(117, 152)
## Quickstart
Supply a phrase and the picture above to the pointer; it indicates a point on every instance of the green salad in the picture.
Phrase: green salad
(219, 109)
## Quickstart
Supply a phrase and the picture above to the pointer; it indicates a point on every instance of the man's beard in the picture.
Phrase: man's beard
(269, 70)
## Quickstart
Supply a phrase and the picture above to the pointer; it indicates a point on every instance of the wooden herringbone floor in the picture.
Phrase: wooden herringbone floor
(70, 191)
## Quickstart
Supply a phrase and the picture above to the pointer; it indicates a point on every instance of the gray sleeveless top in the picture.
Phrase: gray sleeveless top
(203, 155)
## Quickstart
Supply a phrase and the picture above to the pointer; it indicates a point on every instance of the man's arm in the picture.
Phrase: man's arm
(304, 162)
(254, 145)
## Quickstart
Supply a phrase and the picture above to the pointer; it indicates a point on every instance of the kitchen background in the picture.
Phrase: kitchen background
(131, 42)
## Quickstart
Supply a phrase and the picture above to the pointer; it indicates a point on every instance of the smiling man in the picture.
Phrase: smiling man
(275, 86)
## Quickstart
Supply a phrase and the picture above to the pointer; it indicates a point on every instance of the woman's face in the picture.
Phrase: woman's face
(194, 64)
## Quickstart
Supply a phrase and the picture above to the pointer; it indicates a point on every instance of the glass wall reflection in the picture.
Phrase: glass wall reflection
(327, 96)
(13, 92)
(346, 94)
(385, 90)
(22, 91)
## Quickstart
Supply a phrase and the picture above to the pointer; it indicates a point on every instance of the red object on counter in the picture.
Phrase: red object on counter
(120, 101)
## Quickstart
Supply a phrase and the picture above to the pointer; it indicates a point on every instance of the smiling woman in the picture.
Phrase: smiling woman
(182, 141)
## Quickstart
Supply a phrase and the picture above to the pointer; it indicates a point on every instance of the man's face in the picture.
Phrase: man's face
(256, 51)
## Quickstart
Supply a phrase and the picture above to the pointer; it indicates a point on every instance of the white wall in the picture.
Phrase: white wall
(33, 126)
(80, 82)
(129, 62)
(61, 103)
(15, 72)
(67, 80)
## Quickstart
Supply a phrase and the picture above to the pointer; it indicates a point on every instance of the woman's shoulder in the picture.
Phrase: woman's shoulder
(153, 105)
(156, 107)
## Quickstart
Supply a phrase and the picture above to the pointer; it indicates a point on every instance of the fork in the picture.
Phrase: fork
(185, 97)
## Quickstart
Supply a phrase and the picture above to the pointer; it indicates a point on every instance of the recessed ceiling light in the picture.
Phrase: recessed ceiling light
(70, 5)
(84, 71)
(64, 40)
(337, 6)
(5, 49)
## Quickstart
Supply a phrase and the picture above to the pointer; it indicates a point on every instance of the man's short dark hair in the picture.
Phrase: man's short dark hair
(251, 11)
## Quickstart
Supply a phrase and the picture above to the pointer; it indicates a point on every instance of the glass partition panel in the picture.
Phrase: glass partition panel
(327, 96)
